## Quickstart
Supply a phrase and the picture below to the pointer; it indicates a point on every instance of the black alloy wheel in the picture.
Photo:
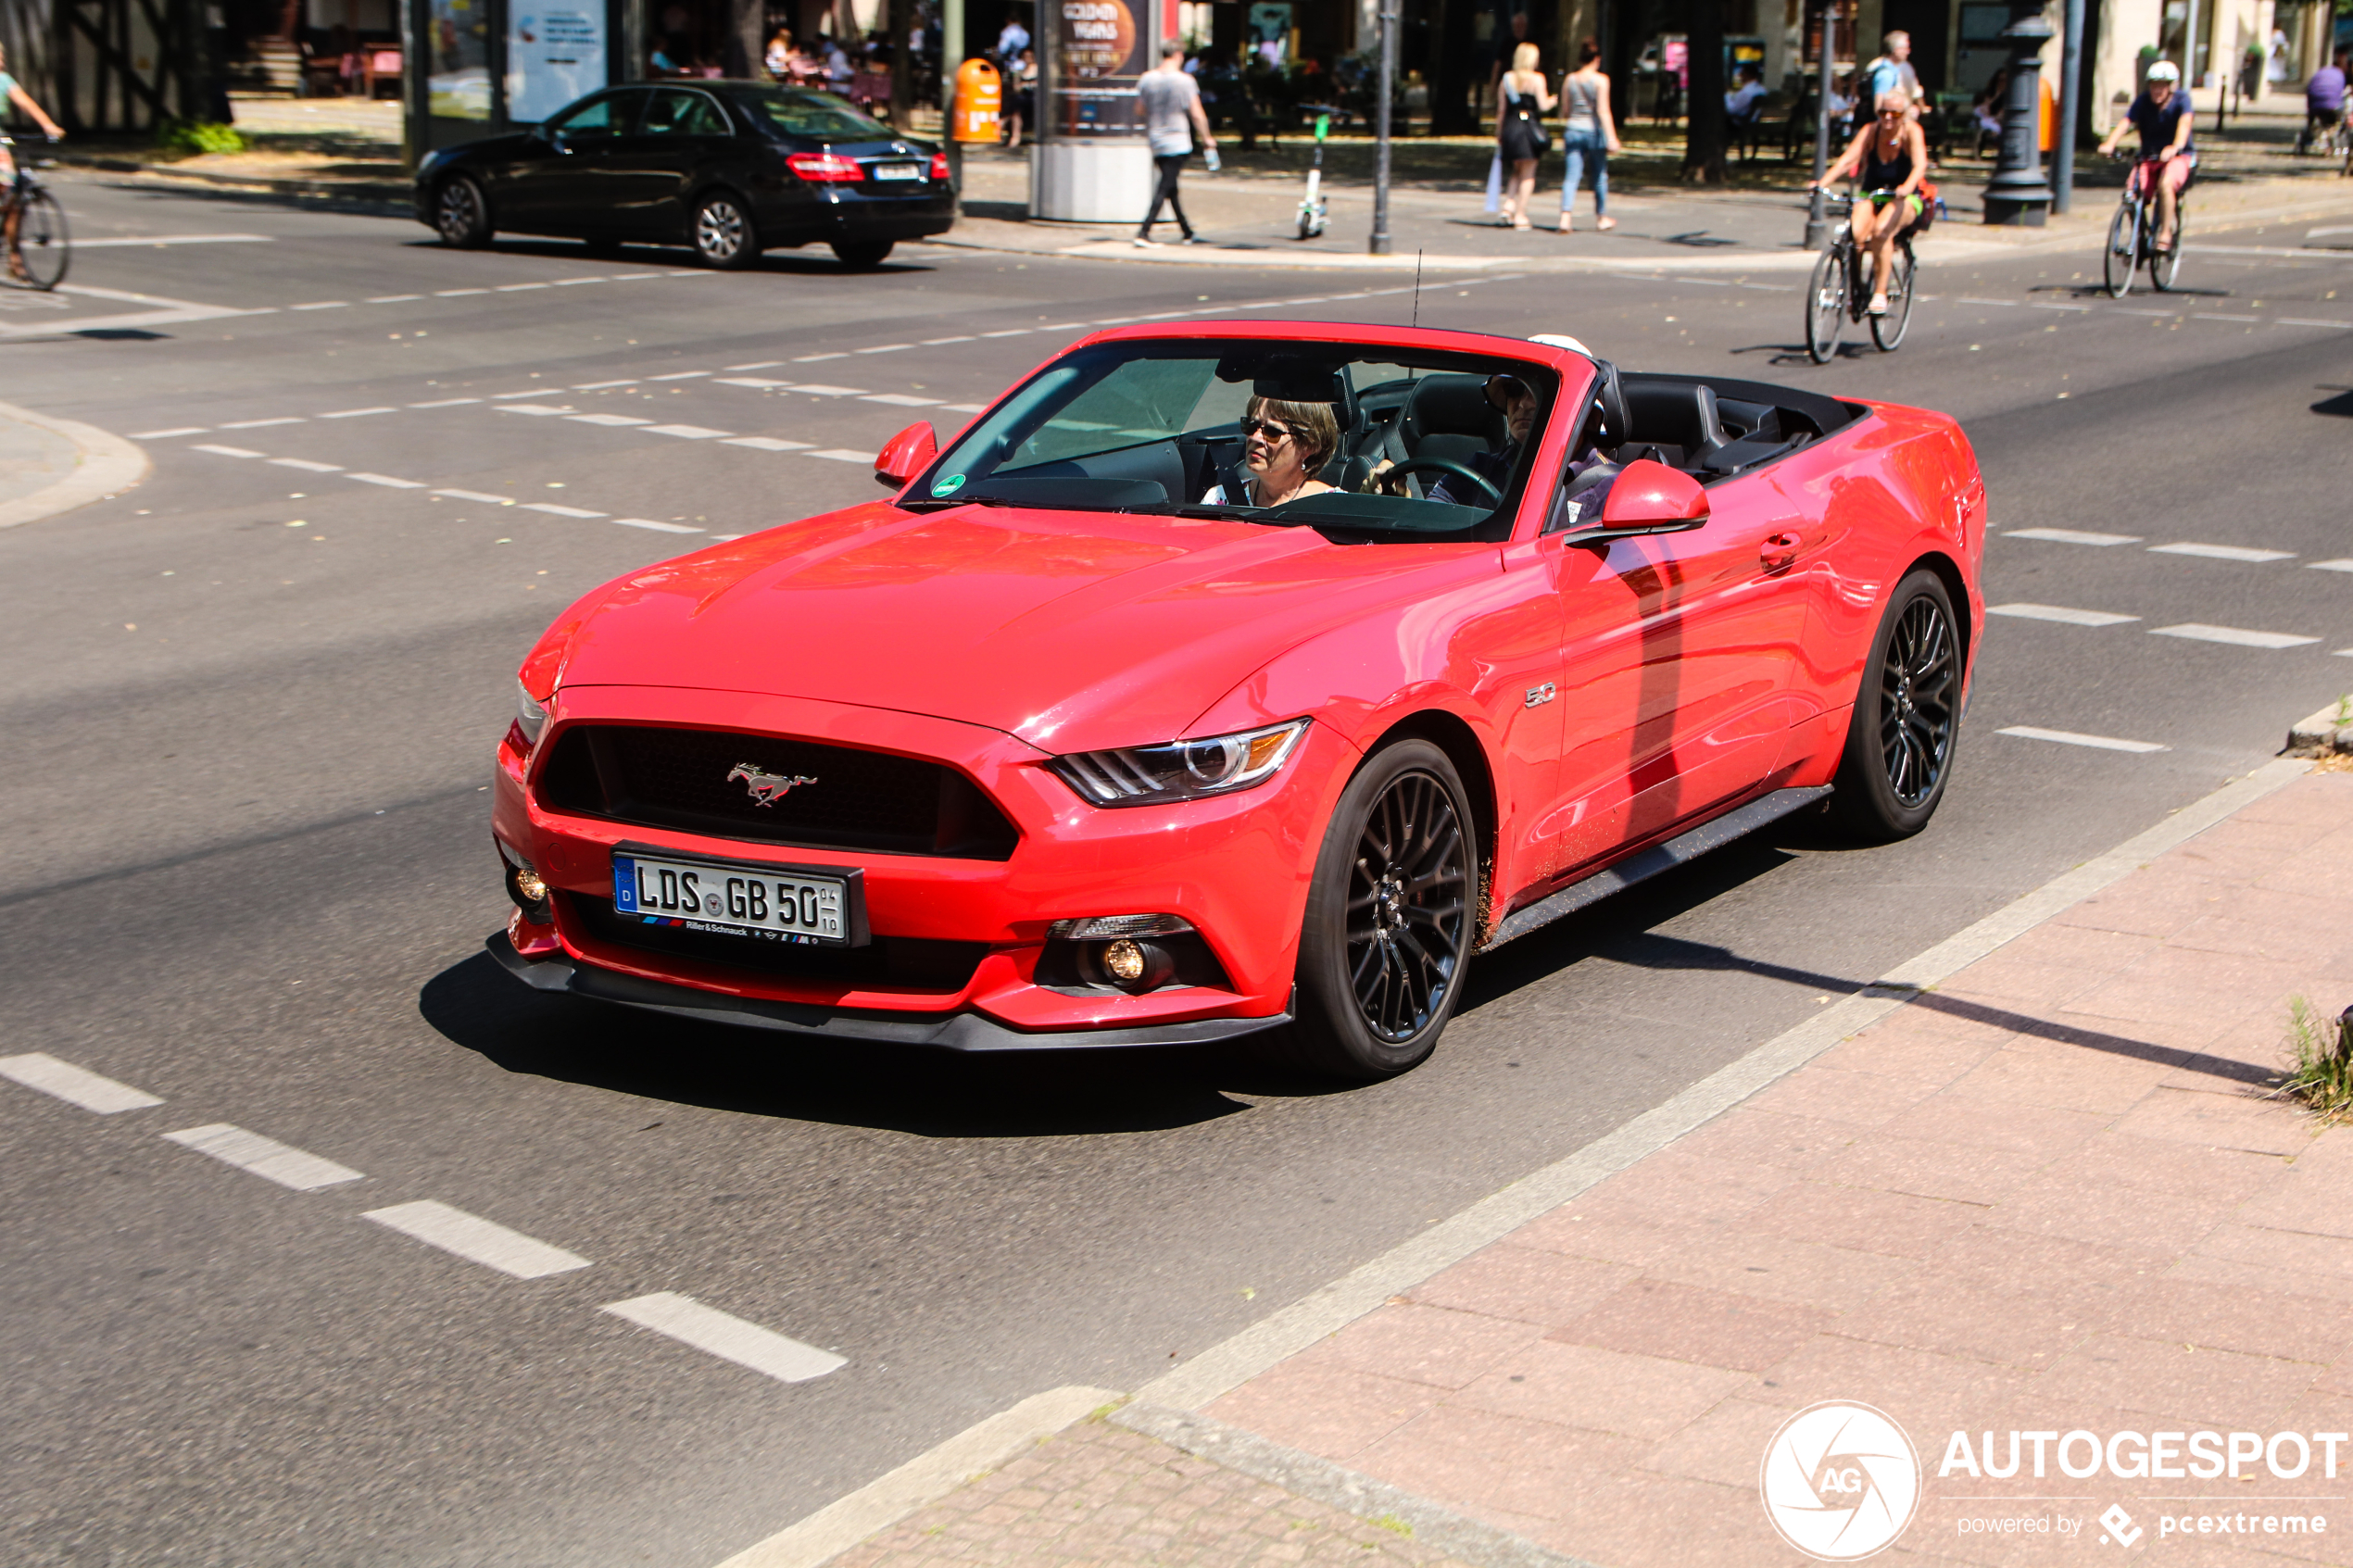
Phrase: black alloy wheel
(2123, 250)
(723, 236)
(1390, 920)
(461, 214)
(860, 254)
(1899, 742)
(1888, 331)
(42, 239)
(1825, 305)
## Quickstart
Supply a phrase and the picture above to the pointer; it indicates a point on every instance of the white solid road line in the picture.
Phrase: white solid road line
(2069, 737)
(2198, 632)
(2220, 552)
(77, 1085)
(730, 1338)
(2061, 614)
(282, 1163)
(2330, 565)
(2071, 536)
(476, 1239)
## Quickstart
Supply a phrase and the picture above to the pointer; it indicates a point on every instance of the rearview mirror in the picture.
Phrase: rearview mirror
(906, 455)
(1649, 497)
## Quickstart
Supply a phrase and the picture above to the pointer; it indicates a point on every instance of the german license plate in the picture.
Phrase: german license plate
(898, 171)
(728, 899)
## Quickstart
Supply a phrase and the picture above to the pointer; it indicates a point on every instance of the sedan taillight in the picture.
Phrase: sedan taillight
(939, 166)
(825, 168)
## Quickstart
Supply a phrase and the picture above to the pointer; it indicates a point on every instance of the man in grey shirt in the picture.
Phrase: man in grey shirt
(1171, 102)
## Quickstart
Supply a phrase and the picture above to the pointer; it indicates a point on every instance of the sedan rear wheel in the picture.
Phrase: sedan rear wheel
(1899, 742)
(461, 213)
(724, 235)
(1390, 918)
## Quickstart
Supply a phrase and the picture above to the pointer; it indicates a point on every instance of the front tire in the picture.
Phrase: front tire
(2123, 250)
(42, 239)
(1390, 920)
(2164, 268)
(722, 235)
(860, 255)
(1888, 331)
(461, 214)
(1899, 740)
(1825, 306)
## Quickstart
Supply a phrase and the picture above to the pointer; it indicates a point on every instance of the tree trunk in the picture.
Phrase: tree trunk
(1704, 104)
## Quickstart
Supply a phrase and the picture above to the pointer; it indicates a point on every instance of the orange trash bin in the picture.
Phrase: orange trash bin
(980, 101)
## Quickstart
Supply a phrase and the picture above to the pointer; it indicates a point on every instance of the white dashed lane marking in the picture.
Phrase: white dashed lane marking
(613, 420)
(720, 1334)
(167, 434)
(843, 455)
(2061, 614)
(226, 451)
(2069, 737)
(76, 1086)
(2220, 552)
(554, 510)
(765, 444)
(282, 1163)
(477, 496)
(306, 465)
(2331, 565)
(2198, 632)
(357, 413)
(476, 1239)
(2072, 536)
(388, 481)
(686, 432)
(648, 522)
(261, 424)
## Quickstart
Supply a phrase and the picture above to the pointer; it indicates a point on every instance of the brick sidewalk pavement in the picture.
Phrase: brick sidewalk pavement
(2051, 1194)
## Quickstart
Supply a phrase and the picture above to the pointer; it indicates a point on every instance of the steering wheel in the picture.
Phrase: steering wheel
(1452, 471)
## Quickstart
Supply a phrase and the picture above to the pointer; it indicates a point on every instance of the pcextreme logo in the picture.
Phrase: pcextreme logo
(1840, 1481)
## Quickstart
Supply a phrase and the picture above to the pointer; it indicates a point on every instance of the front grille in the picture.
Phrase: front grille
(853, 800)
(888, 963)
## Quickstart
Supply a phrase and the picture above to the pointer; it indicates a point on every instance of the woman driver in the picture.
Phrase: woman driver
(1283, 444)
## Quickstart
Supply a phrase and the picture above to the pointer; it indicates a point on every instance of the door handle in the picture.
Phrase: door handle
(1779, 549)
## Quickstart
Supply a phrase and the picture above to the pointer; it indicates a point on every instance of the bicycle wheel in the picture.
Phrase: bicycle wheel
(2162, 266)
(2123, 250)
(1825, 305)
(1888, 331)
(41, 238)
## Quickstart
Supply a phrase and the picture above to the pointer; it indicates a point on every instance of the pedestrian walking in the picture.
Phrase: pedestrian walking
(1020, 96)
(1893, 72)
(1171, 102)
(1521, 102)
(1589, 134)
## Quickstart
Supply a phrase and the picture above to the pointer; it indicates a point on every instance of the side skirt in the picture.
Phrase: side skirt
(1675, 851)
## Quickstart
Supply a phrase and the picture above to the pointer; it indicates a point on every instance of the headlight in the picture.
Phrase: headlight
(1184, 769)
(531, 714)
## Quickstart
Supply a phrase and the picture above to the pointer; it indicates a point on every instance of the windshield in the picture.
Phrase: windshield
(1381, 440)
(820, 117)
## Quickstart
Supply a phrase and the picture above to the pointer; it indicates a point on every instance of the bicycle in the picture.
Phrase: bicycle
(2328, 141)
(42, 239)
(2132, 235)
(1838, 293)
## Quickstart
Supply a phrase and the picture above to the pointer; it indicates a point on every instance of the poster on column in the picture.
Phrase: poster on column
(553, 56)
(1098, 52)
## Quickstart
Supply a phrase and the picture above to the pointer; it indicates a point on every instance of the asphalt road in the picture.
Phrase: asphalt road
(250, 706)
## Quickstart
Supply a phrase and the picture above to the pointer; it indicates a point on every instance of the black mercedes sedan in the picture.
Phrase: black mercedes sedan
(730, 167)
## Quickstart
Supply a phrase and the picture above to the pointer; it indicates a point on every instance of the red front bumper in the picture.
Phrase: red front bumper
(1236, 866)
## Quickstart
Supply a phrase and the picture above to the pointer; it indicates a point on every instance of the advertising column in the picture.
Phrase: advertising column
(1092, 164)
(555, 53)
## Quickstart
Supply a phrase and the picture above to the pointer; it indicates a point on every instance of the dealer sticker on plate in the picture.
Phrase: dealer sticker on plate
(733, 900)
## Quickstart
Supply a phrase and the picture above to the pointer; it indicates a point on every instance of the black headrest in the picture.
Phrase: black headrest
(1676, 414)
(1452, 403)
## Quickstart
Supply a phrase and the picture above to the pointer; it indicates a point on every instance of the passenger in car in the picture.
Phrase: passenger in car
(1283, 445)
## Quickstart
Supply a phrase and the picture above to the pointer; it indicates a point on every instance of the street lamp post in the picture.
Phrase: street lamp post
(2016, 193)
(2071, 85)
(1817, 221)
(1388, 86)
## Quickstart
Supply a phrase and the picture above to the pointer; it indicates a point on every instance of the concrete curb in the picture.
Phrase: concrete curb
(925, 1479)
(1224, 1367)
(359, 192)
(2326, 734)
(106, 465)
(1319, 1480)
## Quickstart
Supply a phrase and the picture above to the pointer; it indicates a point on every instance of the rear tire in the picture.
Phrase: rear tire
(1825, 306)
(860, 255)
(1391, 916)
(461, 214)
(1899, 741)
(722, 235)
(2123, 250)
(1888, 331)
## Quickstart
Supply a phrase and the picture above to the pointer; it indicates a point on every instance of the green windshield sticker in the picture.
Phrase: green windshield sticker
(949, 486)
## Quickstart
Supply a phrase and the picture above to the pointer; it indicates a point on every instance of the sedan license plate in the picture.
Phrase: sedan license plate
(898, 171)
(729, 899)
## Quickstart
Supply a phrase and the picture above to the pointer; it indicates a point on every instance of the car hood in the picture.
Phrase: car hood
(1072, 630)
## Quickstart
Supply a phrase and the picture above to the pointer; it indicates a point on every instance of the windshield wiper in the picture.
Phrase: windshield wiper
(1200, 508)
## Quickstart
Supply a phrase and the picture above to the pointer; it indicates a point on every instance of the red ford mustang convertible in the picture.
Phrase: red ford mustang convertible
(1233, 678)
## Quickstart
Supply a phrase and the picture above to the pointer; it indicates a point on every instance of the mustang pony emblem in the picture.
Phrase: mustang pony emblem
(767, 788)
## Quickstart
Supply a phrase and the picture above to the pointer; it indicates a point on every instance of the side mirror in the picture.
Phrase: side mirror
(1649, 497)
(906, 455)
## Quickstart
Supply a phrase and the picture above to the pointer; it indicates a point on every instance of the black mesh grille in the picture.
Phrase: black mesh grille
(888, 963)
(852, 800)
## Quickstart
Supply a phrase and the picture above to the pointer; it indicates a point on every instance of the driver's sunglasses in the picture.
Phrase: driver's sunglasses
(1890, 114)
(1275, 434)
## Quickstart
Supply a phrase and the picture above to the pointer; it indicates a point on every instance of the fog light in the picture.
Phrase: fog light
(1124, 962)
(527, 884)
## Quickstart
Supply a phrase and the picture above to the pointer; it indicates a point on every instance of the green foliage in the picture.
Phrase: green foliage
(2323, 1074)
(193, 136)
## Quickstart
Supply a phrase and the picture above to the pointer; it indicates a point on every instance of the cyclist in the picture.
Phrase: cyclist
(2165, 118)
(1889, 158)
(2323, 104)
(11, 216)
